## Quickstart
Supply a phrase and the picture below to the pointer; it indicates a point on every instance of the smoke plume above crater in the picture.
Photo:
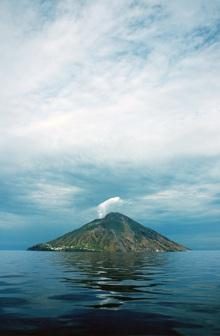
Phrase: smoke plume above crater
(111, 204)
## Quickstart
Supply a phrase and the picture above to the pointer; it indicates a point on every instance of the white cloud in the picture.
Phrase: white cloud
(111, 203)
(187, 201)
(10, 220)
(52, 196)
(108, 83)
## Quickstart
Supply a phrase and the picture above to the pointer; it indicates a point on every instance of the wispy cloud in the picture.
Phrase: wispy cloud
(52, 196)
(96, 69)
(188, 200)
(11, 221)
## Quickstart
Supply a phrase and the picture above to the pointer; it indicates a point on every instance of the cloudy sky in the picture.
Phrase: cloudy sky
(109, 106)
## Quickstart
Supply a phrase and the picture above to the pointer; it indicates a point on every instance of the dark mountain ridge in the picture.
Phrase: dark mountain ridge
(113, 233)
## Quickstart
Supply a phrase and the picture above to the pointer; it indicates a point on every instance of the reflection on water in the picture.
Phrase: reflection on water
(45, 293)
(117, 278)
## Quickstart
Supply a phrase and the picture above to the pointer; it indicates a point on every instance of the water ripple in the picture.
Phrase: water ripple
(109, 294)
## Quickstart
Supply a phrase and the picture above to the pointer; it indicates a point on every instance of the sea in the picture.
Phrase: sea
(78, 293)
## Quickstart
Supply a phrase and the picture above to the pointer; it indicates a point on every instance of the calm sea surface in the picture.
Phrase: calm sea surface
(46, 293)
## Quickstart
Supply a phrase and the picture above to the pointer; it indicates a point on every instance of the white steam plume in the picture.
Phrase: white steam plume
(104, 207)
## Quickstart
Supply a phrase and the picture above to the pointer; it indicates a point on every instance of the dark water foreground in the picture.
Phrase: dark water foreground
(46, 293)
